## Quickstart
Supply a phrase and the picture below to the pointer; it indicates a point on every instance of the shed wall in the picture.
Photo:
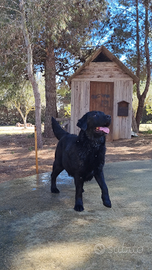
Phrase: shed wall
(104, 71)
(80, 95)
(80, 102)
(121, 124)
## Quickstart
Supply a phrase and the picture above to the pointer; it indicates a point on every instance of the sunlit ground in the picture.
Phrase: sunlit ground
(145, 127)
(12, 130)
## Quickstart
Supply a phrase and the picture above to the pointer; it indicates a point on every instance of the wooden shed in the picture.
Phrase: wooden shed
(103, 83)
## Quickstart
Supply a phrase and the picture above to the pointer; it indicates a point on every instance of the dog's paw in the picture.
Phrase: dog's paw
(106, 200)
(55, 190)
(78, 207)
(107, 203)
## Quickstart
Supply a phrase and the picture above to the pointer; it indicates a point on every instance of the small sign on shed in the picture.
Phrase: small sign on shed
(103, 83)
(123, 108)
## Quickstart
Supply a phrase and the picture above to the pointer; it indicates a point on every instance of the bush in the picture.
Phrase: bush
(146, 117)
(11, 116)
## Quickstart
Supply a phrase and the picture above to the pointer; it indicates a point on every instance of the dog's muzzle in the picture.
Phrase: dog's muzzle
(108, 120)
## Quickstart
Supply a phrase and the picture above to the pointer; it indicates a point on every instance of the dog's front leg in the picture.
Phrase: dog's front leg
(99, 176)
(78, 196)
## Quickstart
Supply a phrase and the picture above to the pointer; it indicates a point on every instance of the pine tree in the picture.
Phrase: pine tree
(130, 24)
(60, 32)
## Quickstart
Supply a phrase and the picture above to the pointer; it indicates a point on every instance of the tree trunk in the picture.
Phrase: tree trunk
(20, 112)
(139, 110)
(138, 50)
(31, 75)
(37, 111)
(24, 120)
(50, 90)
(134, 124)
(141, 98)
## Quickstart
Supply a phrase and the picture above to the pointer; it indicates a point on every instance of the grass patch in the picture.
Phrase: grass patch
(31, 148)
(149, 131)
(30, 135)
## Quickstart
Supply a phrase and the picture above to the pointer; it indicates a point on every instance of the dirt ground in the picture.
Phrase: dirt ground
(18, 155)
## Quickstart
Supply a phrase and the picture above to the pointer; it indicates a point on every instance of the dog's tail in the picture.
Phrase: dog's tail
(58, 131)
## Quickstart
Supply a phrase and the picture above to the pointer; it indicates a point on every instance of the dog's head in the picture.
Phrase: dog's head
(95, 124)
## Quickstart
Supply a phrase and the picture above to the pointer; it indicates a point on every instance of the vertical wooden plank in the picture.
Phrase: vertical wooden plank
(115, 119)
(130, 92)
(72, 107)
(87, 96)
(84, 98)
(81, 101)
(122, 125)
(81, 112)
(77, 105)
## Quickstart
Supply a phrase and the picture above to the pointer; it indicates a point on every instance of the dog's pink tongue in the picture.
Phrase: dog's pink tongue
(104, 129)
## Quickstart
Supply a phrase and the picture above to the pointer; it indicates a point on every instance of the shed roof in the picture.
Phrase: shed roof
(106, 55)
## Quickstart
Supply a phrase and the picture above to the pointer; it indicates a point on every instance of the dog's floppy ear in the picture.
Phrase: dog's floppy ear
(82, 122)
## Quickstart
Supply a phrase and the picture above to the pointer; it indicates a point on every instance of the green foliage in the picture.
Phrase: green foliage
(22, 97)
(12, 49)
(63, 93)
(67, 110)
(31, 148)
(64, 99)
(70, 25)
(149, 131)
(31, 135)
(149, 109)
(147, 104)
(131, 33)
(123, 36)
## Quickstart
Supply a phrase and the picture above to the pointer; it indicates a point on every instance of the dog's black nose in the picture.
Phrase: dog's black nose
(108, 120)
(108, 117)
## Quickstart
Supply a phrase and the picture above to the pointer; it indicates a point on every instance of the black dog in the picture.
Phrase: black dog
(82, 156)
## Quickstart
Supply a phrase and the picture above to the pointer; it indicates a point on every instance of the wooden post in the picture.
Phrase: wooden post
(36, 156)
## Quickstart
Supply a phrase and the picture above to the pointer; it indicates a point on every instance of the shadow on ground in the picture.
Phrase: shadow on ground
(40, 230)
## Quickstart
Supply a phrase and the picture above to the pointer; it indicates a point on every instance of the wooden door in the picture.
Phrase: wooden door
(101, 99)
